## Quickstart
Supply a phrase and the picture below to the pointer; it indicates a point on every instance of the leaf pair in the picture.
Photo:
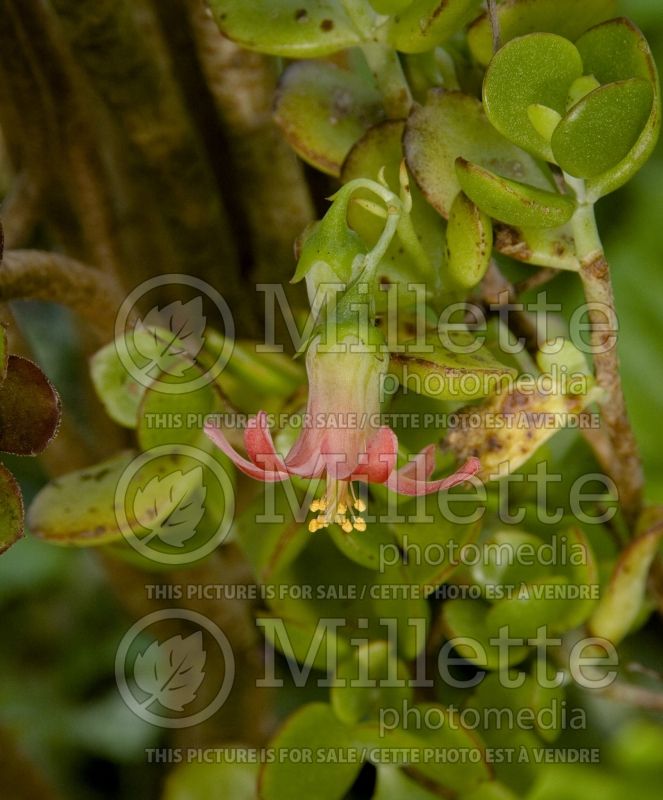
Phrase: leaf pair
(592, 107)
(29, 418)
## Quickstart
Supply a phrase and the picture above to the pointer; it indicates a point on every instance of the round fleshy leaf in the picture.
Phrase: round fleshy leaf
(616, 51)
(531, 606)
(304, 641)
(323, 110)
(152, 351)
(368, 681)
(199, 780)
(78, 508)
(462, 370)
(464, 623)
(392, 782)
(390, 6)
(602, 128)
(29, 408)
(319, 729)
(512, 202)
(623, 597)
(568, 18)
(467, 133)
(469, 244)
(424, 24)
(534, 69)
(547, 247)
(289, 28)
(164, 504)
(11, 510)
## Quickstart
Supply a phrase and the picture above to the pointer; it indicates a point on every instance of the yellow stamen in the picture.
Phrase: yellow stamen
(360, 505)
(313, 525)
(359, 524)
(347, 526)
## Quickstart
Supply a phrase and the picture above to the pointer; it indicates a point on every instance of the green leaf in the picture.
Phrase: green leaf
(159, 506)
(381, 147)
(304, 641)
(624, 595)
(427, 728)
(431, 156)
(389, 6)
(316, 727)
(270, 544)
(469, 244)
(612, 52)
(323, 110)
(547, 247)
(428, 539)
(535, 69)
(463, 370)
(29, 409)
(363, 547)
(176, 418)
(152, 351)
(601, 130)
(466, 619)
(291, 28)
(364, 683)
(392, 782)
(424, 24)
(199, 780)
(512, 202)
(78, 508)
(568, 18)
(11, 510)
(530, 607)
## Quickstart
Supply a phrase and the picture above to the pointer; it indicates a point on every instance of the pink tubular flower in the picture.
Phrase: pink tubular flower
(341, 439)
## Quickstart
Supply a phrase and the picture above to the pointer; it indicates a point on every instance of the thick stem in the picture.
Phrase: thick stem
(595, 275)
(386, 68)
(51, 277)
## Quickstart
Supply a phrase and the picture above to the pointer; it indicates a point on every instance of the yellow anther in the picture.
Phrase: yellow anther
(342, 508)
(360, 505)
(347, 526)
(313, 526)
(339, 519)
(360, 524)
(315, 506)
(322, 504)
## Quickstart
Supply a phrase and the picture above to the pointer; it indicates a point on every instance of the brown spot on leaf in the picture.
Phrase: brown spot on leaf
(327, 25)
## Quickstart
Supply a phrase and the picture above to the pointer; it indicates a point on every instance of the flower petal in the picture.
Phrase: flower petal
(304, 458)
(242, 464)
(260, 445)
(421, 466)
(405, 484)
(379, 460)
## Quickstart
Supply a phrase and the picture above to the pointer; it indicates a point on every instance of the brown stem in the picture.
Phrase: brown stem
(51, 277)
(269, 182)
(626, 468)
